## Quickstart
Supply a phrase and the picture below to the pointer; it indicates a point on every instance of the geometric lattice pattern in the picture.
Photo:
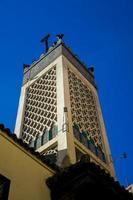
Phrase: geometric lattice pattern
(84, 110)
(41, 106)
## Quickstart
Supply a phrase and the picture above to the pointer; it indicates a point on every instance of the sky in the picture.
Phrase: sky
(100, 32)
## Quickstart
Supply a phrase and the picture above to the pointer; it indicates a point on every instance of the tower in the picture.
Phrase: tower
(59, 111)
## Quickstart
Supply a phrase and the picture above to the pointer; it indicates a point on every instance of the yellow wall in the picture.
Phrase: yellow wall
(26, 173)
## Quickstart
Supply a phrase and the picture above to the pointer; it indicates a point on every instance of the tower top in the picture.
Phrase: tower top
(51, 53)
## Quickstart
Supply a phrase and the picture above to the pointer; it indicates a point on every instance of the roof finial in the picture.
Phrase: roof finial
(59, 37)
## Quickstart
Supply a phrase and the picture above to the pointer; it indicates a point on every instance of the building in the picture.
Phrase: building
(59, 112)
(23, 173)
(85, 180)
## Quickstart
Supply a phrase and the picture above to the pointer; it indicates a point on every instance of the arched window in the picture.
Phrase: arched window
(84, 139)
(32, 143)
(54, 130)
(91, 145)
(38, 142)
(45, 136)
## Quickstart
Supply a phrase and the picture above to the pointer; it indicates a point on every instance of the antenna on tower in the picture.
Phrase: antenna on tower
(45, 41)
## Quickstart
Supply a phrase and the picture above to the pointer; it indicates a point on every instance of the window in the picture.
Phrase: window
(4, 187)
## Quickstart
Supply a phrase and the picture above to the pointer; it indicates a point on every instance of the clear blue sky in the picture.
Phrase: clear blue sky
(100, 32)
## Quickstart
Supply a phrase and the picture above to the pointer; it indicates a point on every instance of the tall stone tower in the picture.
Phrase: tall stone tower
(59, 111)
